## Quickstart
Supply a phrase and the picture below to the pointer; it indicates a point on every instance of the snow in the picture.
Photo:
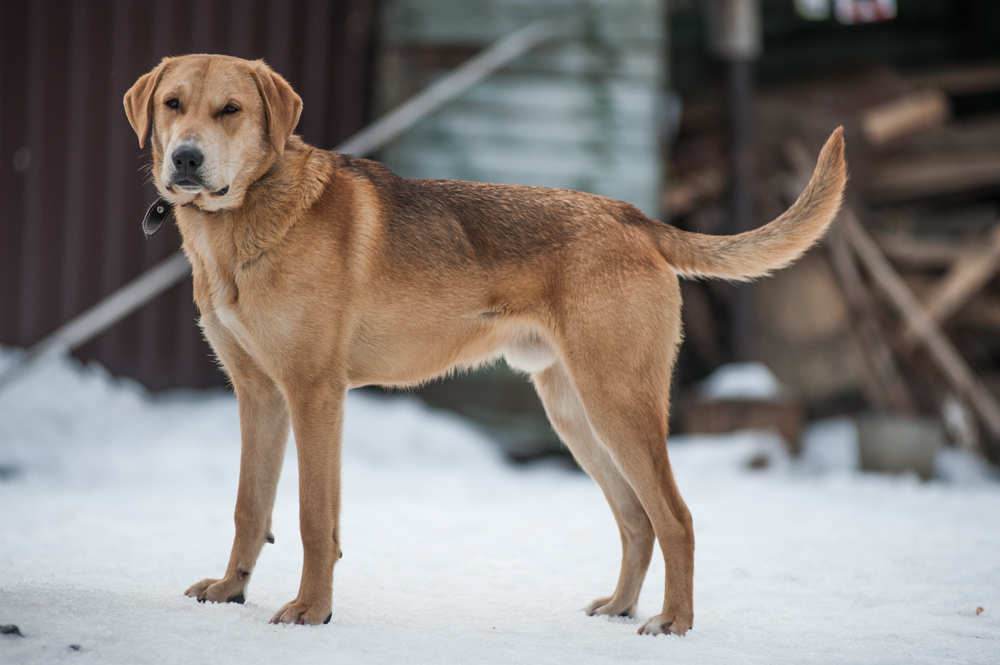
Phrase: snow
(451, 555)
(749, 380)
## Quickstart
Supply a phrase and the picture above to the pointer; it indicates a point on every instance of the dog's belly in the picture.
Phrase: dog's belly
(388, 355)
(529, 354)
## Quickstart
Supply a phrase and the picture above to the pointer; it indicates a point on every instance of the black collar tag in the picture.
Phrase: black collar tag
(153, 220)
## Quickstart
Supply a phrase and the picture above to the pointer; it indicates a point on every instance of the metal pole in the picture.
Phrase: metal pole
(740, 91)
(107, 312)
(159, 278)
(735, 36)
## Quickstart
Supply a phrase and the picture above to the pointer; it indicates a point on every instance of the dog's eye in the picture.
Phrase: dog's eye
(230, 109)
(172, 103)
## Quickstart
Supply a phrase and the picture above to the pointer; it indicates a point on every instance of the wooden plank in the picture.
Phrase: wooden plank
(564, 91)
(722, 416)
(940, 348)
(918, 253)
(521, 110)
(892, 393)
(690, 191)
(980, 133)
(977, 265)
(578, 56)
(528, 125)
(914, 177)
(514, 152)
(910, 114)
(963, 80)
(983, 313)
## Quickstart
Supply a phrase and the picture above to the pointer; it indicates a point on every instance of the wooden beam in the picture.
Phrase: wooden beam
(983, 313)
(914, 177)
(885, 388)
(890, 392)
(910, 114)
(977, 265)
(962, 80)
(687, 193)
(913, 252)
(940, 348)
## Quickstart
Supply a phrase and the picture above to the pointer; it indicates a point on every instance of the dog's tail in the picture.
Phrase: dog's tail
(759, 252)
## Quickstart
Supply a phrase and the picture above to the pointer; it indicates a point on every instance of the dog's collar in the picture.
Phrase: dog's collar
(155, 216)
(157, 213)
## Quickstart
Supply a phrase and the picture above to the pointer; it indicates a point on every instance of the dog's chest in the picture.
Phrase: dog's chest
(248, 315)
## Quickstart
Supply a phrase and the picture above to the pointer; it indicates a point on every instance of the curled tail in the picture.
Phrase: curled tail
(763, 250)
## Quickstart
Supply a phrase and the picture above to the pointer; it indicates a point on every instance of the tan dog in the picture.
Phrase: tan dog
(316, 273)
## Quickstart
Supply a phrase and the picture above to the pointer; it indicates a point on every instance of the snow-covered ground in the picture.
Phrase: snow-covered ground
(121, 501)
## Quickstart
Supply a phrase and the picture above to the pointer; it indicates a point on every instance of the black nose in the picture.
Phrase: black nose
(186, 160)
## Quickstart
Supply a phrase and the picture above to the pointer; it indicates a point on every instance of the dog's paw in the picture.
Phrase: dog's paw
(610, 606)
(218, 591)
(298, 612)
(666, 624)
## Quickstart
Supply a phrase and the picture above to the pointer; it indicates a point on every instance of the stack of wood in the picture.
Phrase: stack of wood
(743, 396)
(905, 292)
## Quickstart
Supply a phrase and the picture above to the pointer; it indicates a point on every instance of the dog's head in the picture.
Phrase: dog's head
(217, 122)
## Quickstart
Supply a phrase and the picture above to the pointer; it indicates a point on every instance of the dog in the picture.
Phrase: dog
(316, 272)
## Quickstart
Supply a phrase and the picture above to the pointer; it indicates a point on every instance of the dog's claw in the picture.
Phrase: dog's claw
(301, 614)
(666, 625)
(218, 591)
(609, 606)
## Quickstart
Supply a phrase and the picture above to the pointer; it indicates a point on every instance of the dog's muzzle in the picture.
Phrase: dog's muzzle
(187, 161)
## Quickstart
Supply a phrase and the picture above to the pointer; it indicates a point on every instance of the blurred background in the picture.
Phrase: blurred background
(707, 115)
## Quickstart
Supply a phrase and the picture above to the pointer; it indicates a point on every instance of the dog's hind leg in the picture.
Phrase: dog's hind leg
(629, 415)
(620, 365)
(566, 412)
(264, 423)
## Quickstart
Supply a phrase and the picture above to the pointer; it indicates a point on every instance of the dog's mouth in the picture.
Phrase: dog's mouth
(189, 186)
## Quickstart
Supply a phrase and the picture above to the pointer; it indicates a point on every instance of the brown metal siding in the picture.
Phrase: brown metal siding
(69, 222)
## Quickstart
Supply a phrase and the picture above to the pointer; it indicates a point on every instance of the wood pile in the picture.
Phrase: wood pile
(899, 311)
(785, 418)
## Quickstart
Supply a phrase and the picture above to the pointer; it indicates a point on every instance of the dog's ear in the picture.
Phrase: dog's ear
(139, 101)
(282, 105)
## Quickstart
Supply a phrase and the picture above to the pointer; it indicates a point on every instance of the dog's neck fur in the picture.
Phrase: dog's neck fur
(273, 203)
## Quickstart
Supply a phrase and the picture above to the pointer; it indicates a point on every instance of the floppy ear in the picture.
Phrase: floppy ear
(282, 105)
(139, 102)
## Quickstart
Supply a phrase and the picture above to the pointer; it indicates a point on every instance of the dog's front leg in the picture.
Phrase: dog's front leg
(264, 433)
(317, 420)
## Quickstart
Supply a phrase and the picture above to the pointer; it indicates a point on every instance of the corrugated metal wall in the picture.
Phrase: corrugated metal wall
(580, 111)
(72, 178)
